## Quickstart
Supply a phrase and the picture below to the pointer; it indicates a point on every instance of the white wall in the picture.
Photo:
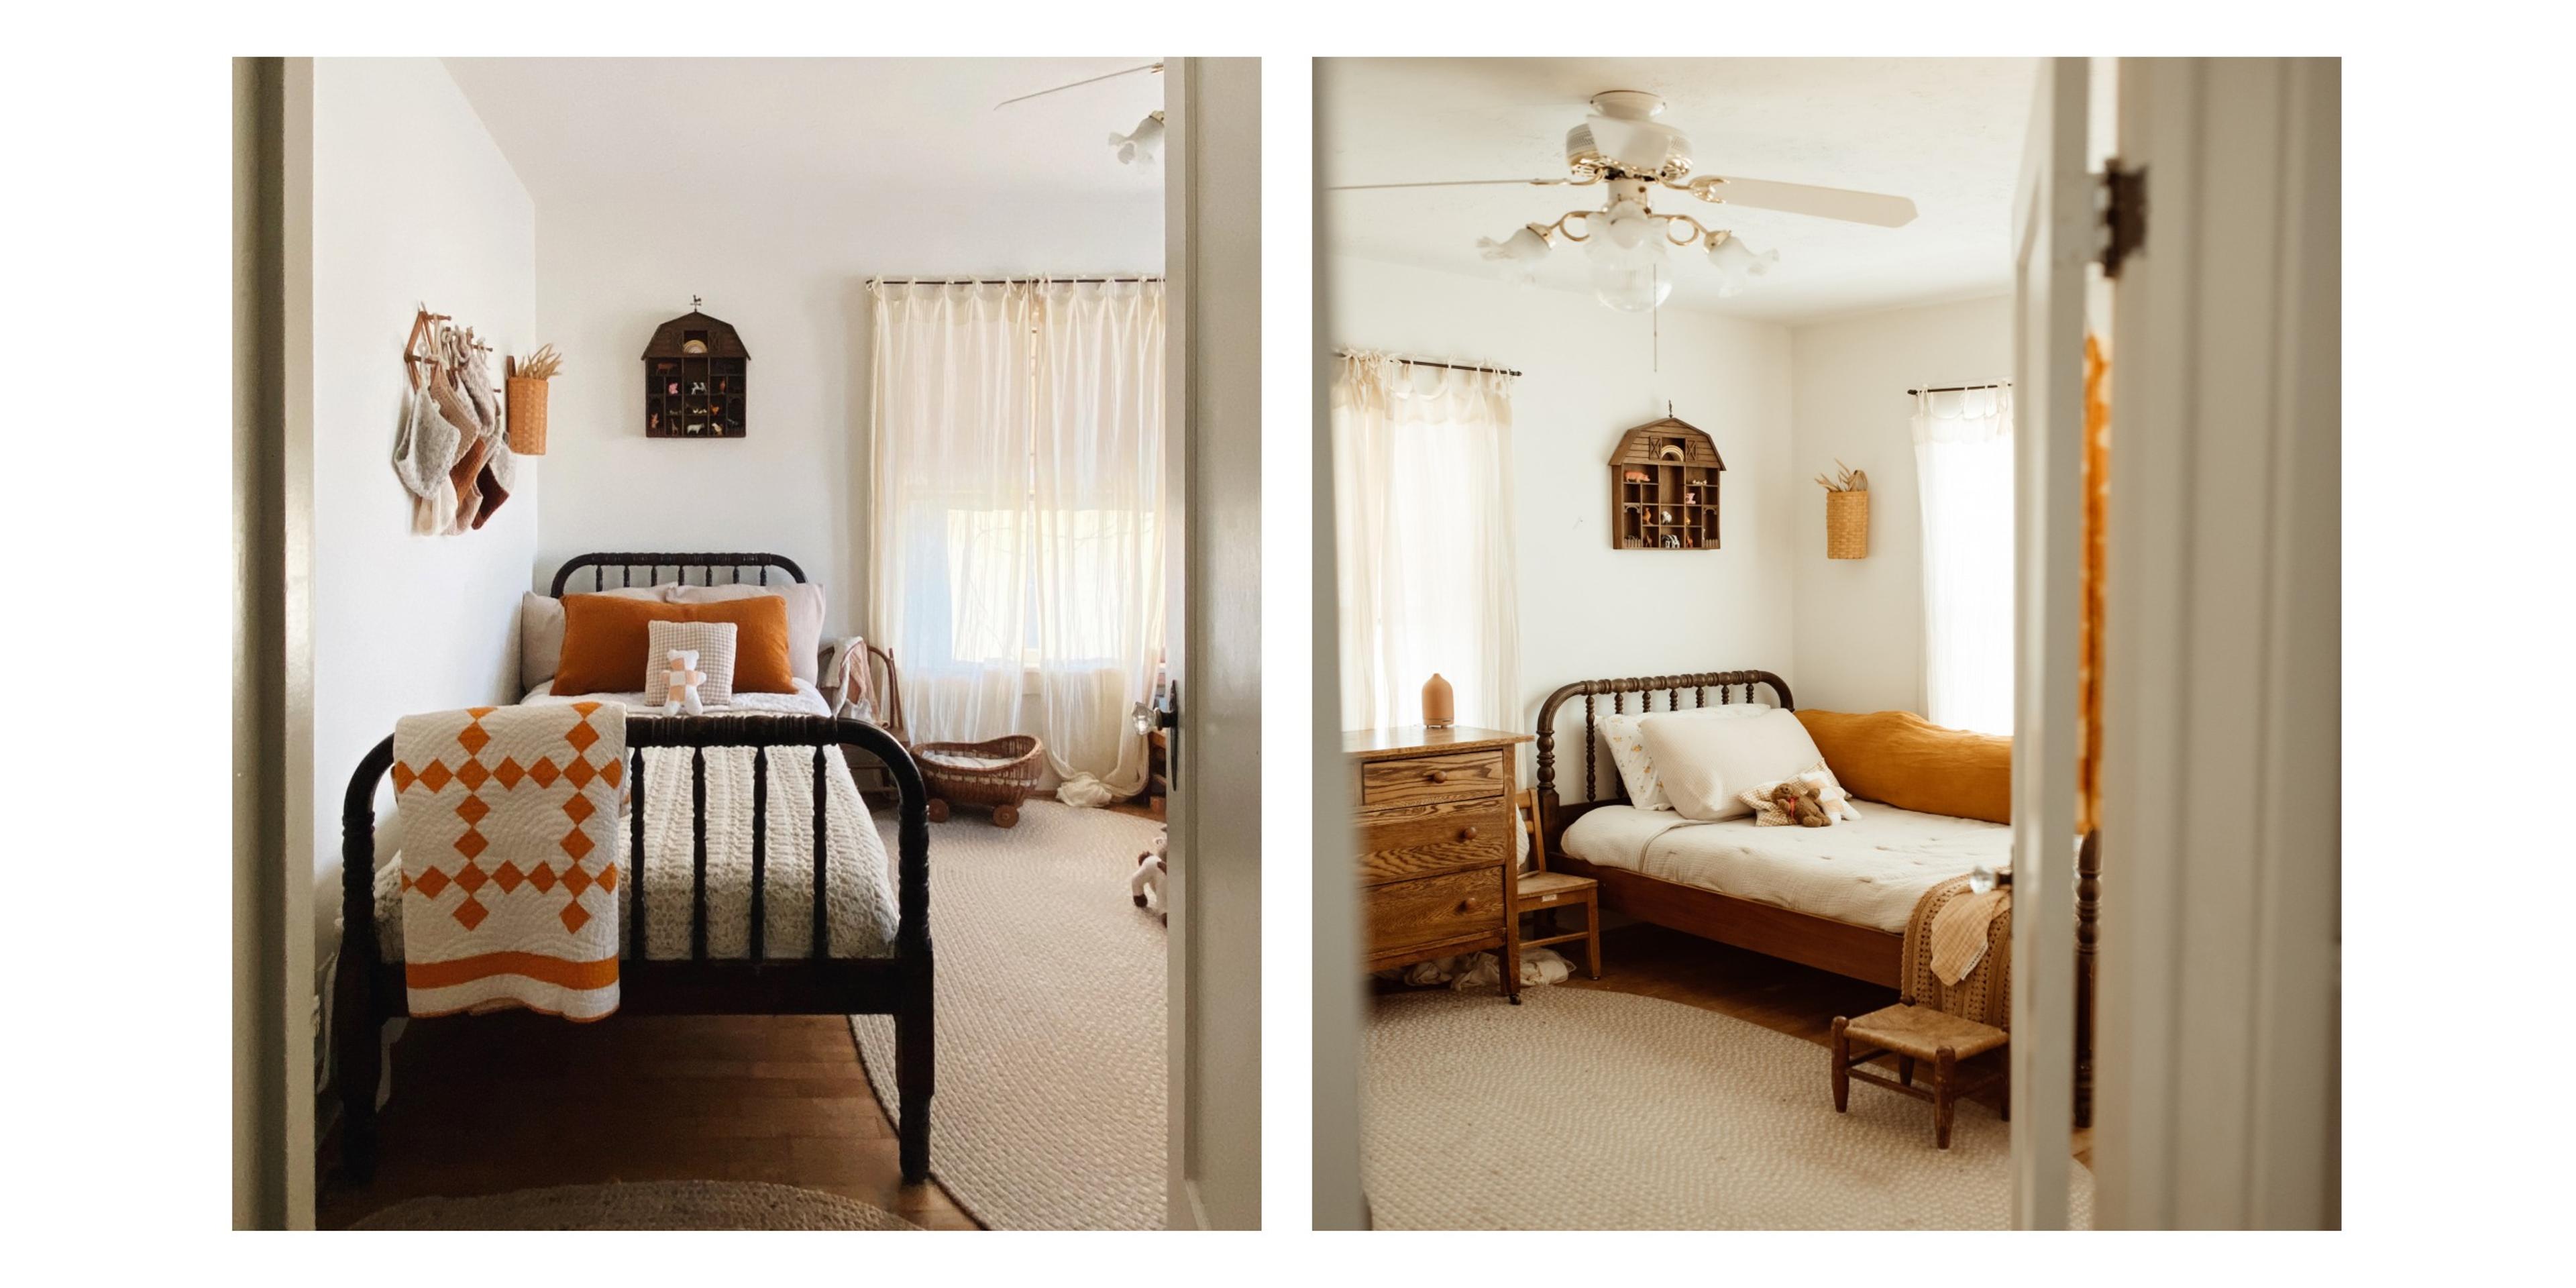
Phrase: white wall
(412, 204)
(1860, 621)
(1588, 374)
(792, 279)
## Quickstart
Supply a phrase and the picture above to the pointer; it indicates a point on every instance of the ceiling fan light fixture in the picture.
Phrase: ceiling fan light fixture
(1143, 145)
(1631, 284)
(1519, 254)
(1737, 264)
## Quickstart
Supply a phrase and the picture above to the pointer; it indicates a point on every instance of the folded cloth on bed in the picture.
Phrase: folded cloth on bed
(509, 858)
(1984, 992)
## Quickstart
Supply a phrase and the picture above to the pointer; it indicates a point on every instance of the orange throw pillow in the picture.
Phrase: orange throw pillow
(1909, 762)
(606, 638)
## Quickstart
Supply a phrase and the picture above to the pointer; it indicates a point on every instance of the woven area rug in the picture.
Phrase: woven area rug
(1588, 1110)
(642, 1205)
(1049, 1113)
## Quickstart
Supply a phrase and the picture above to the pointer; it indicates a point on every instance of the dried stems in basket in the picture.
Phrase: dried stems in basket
(1848, 480)
(542, 365)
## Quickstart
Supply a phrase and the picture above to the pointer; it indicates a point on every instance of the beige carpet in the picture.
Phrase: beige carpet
(1597, 1111)
(642, 1205)
(1049, 1112)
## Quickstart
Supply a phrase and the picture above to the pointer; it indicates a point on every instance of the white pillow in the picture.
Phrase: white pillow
(1628, 747)
(713, 642)
(1703, 764)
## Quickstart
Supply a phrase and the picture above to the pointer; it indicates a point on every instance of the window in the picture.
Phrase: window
(1963, 453)
(1422, 505)
(1017, 513)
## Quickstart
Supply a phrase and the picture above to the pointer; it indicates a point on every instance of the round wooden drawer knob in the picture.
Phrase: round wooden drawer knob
(1437, 776)
(1466, 834)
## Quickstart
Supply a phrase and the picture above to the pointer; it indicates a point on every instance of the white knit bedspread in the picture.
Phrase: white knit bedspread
(805, 701)
(859, 897)
(1868, 871)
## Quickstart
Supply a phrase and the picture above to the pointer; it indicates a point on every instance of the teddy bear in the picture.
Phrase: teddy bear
(1151, 868)
(1801, 800)
(683, 682)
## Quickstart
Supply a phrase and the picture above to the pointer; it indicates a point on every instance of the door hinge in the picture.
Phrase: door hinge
(2122, 202)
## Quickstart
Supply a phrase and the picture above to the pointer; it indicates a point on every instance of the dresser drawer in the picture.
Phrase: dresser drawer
(1405, 915)
(1426, 840)
(1417, 779)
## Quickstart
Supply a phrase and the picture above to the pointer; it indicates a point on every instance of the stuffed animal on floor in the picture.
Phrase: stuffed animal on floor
(684, 679)
(1801, 800)
(1151, 868)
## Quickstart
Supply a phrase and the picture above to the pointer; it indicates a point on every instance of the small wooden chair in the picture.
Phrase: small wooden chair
(1914, 1033)
(1545, 891)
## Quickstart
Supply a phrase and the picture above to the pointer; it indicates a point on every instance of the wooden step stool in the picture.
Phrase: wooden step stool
(1916, 1033)
(1545, 891)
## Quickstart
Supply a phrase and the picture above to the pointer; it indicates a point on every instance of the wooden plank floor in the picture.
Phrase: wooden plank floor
(487, 1104)
(1783, 996)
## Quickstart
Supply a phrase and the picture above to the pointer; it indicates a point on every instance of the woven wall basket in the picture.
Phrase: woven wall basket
(527, 404)
(1847, 525)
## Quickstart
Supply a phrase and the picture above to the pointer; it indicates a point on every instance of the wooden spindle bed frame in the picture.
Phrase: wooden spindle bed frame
(370, 991)
(1860, 952)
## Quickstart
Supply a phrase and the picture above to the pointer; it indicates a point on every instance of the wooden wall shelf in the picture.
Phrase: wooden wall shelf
(1663, 488)
(697, 380)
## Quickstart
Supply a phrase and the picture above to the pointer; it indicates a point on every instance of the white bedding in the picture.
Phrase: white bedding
(1868, 871)
(859, 896)
(805, 701)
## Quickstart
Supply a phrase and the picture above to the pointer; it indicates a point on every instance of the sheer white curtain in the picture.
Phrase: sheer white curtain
(1963, 451)
(1422, 492)
(1017, 512)
(1099, 506)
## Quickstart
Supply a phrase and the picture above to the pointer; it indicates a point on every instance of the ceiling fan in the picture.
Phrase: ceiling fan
(1137, 147)
(1621, 147)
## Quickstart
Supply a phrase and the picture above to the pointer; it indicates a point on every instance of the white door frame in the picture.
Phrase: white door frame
(1212, 264)
(2051, 245)
(2219, 1088)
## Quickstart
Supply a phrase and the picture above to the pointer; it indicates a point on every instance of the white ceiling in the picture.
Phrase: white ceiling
(761, 132)
(1946, 132)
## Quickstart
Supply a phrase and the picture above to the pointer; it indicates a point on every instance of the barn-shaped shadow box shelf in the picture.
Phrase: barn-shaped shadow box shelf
(1663, 488)
(696, 380)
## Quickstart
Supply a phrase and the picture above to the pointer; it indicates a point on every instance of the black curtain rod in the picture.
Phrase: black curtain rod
(998, 281)
(1446, 366)
(1960, 389)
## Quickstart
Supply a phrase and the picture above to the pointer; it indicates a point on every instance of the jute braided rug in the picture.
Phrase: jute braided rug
(1593, 1111)
(641, 1205)
(1049, 1112)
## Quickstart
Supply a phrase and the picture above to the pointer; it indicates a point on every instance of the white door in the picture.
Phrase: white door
(2052, 242)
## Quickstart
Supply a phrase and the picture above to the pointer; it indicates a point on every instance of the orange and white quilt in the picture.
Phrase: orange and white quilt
(510, 857)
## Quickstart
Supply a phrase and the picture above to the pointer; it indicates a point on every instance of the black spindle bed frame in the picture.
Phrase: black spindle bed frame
(371, 991)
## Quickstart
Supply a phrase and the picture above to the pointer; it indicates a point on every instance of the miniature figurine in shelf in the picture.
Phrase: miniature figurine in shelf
(693, 346)
(652, 421)
(1663, 516)
(697, 386)
(1672, 542)
(1635, 476)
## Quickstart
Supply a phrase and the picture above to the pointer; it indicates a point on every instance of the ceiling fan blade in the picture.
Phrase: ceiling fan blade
(1444, 183)
(1149, 67)
(1806, 199)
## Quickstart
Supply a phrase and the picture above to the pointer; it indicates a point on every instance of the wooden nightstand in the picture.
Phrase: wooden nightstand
(1437, 867)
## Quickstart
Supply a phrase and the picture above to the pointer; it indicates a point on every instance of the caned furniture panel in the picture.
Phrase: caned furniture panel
(1406, 915)
(1425, 840)
(1460, 776)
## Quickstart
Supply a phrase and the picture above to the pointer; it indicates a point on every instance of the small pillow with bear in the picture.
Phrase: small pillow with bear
(712, 642)
(1826, 800)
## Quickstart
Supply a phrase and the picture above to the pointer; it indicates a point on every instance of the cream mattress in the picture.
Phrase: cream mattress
(1866, 872)
(805, 701)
